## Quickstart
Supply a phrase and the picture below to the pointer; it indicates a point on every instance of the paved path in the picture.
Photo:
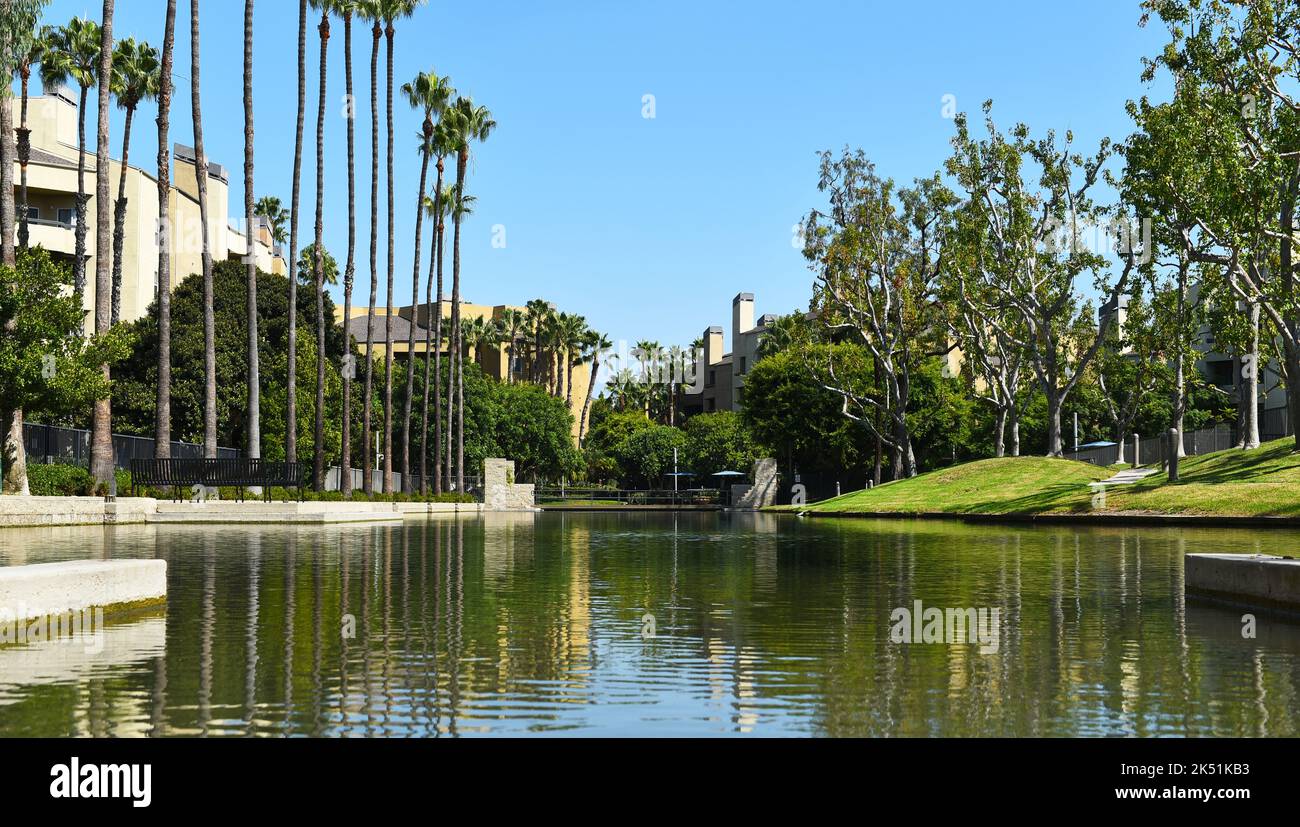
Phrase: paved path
(1129, 476)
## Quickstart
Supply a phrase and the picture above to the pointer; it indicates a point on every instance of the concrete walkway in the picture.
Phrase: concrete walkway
(1129, 476)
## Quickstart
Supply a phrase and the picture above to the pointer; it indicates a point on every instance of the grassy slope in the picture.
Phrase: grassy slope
(1265, 482)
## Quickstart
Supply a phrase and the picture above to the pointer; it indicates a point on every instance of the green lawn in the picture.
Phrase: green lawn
(1264, 482)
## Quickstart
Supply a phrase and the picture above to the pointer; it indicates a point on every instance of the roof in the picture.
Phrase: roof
(40, 156)
(401, 329)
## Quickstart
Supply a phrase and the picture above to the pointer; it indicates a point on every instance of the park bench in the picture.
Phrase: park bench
(183, 475)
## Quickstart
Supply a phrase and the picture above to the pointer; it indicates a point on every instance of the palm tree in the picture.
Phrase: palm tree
(277, 217)
(291, 381)
(32, 55)
(102, 464)
(163, 400)
(391, 11)
(349, 9)
(307, 267)
(72, 53)
(427, 92)
(536, 314)
(254, 415)
(572, 330)
(372, 10)
(135, 79)
(468, 123)
(459, 205)
(648, 354)
(595, 344)
(209, 314)
(325, 7)
(436, 208)
(512, 323)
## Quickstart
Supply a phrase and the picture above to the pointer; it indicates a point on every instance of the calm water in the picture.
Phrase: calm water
(523, 624)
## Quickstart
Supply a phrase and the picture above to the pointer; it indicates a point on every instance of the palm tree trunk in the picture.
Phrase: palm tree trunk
(318, 434)
(119, 216)
(462, 161)
(209, 316)
(437, 350)
(586, 406)
(568, 383)
(389, 33)
(79, 232)
(101, 438)
(254, 368)
(407, 482)
(350, 272)
(163, 402)
(291, 381)
(24, 156)
(428, 356)
(368, 479)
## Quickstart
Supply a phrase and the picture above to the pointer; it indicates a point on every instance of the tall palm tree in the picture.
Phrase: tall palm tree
(291, 381)
(72, 54)
(648, 354)
(325, 7)
(209, 313)
(595, 344)
(427, 92)
(373, 11)
(573, 329)
(436, 208)
(458, 205)
(349, 9)
(536, 314)
(163, 400)
(468, 123)
(512, 324)
(392, 11)
(254, 415)
(102, 464)
(135, 79)
(32, 55)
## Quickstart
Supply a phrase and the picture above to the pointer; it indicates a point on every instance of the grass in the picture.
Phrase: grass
(1259, 483)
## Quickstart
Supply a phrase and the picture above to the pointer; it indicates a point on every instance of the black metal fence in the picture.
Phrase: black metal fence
(615, 497)
(1153, 450)
(55, 444)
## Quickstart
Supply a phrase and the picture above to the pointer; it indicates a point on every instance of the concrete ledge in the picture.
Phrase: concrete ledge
(18, 512)
(1248, 579)
(45, 589)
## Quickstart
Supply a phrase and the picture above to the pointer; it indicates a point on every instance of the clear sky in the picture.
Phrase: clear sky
(649, 227)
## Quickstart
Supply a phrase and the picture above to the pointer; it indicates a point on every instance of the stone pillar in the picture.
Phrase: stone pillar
(500, 492)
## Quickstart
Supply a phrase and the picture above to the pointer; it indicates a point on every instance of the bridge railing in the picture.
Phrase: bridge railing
(559, 495)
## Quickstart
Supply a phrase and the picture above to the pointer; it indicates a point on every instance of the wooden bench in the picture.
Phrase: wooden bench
(182, 475)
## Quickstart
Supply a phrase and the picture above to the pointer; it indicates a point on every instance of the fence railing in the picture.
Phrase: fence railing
(1153, 450)
(56, 444)
(609, 496)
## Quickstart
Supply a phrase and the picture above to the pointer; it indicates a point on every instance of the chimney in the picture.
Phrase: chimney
(742, 315)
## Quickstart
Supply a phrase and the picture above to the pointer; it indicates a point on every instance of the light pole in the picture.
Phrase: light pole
(1076, 432)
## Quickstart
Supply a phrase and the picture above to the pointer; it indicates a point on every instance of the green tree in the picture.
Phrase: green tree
(46, 365)
(645, 457)
(718, 442)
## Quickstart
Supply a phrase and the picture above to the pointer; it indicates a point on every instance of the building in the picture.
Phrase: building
(719, 375)
(493, 359)
(52, 201)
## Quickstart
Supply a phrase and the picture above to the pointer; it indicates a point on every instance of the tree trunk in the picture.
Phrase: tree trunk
(999, 432)
(79, 232)
(254, 367)
(367, 417)
(1054, 401)
(119, 216)
(14, 453)
(462, 161)
(350, 271)
(163, 400)
(7, 209)
(209, 316)
(389, 33)
(24, 157)
(318, 432)
(407, 403)
(102, 465)
(291, 381)
(586, 406)
(439, 232)
(1250, 438)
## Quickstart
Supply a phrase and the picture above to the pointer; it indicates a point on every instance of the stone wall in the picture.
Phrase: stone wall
(501, 492)
(763, 491)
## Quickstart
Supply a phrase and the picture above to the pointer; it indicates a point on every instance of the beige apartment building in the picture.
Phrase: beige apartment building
(493, 359)
(52, 195)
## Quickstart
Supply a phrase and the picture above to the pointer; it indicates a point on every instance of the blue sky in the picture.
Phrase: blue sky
(649, 227)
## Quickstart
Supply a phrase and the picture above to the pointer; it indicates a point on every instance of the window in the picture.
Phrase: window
(33, 214)
(742, 365)
(713, 377)
(67, 217)
(710, 405)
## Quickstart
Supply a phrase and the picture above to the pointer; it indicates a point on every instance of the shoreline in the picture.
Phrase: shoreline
(1102, 519)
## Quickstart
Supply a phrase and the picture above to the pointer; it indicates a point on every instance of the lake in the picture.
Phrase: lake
(694, 624)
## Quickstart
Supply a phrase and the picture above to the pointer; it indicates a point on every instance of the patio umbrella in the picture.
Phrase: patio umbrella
(729, 474)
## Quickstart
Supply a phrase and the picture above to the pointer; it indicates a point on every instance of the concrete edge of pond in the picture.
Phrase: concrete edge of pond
(1265, 580)
(34, 512)
(52, 589)
(1102, 519)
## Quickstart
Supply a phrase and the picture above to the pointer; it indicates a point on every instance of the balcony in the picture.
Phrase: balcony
(54, 236)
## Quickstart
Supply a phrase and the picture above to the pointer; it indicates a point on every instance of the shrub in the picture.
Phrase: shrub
(60, 481)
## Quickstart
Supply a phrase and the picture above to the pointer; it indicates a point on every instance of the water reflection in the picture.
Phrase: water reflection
(515, 624)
